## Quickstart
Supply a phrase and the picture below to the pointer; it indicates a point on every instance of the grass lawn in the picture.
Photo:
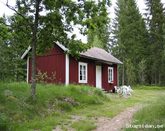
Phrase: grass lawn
(151, 117)
(68, 107)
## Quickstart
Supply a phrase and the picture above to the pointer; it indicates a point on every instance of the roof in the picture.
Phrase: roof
(101, 55)
(92, 53)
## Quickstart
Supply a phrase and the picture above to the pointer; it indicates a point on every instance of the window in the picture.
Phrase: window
(82, 72)
(110, 74)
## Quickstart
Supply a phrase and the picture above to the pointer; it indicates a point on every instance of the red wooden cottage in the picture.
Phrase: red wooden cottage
(95, 67)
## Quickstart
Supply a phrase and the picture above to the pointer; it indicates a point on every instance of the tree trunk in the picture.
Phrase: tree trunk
(34, 41)
(123, 74)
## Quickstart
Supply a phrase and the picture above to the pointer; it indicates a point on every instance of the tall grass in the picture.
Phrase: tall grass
(55, 104)
(16, 106)
(151, 117)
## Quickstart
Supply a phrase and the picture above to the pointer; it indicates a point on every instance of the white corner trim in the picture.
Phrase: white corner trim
(27, 70)
(86, 73)
(66, 69)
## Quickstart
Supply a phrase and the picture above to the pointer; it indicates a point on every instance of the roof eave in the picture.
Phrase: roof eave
(102, 61)
(61, 46)
(26, 52)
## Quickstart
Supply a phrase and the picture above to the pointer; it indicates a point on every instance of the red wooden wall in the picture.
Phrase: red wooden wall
(108, 86)
(54, 61)
(73, 71)
(51, 63)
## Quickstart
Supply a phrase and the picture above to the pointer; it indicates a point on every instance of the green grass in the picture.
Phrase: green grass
(117, 104)
(18, 111)
(153, 114)
(84, 125)
(56, 104)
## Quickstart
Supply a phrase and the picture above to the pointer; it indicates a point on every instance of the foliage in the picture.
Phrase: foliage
(41, 22)
(10, 61)
(129, 40)
(99, 25)
(130, 72)
(55, 24)
(142, 71)
(155, 21)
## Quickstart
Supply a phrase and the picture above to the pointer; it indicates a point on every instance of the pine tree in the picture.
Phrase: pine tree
(130, 39)
(156, 39)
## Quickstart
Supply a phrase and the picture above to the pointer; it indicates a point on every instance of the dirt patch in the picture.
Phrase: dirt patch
(118, 122)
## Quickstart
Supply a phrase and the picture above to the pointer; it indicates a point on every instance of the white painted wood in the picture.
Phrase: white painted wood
(27, 70)
(110, 75)
(61, 46)
(98, 77)
(26, 52)
(84, 76)
(66, 69)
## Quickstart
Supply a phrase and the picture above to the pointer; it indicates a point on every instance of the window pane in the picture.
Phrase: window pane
(80, 72)
(80, 77)
(84, 76)
(80, 67)
(84, 67)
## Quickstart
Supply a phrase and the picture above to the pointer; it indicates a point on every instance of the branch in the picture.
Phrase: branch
(2, 22)
(13, 9)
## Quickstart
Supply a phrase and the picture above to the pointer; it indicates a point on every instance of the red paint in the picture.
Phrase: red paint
(115, 75)
(51, 63)
(54, 61)
(73, 70)
(91, 73)
(105, 84)
(108, 86)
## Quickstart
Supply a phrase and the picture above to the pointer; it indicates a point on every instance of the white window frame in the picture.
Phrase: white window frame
(110, 75)
(86, 72)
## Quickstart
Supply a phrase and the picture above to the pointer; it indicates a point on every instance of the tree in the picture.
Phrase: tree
(99, 29)
(59, 19)
(155, 20)
(10, 62)
(4, 50)
(129, 39)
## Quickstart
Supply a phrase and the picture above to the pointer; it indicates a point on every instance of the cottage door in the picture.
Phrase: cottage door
(98, 77)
